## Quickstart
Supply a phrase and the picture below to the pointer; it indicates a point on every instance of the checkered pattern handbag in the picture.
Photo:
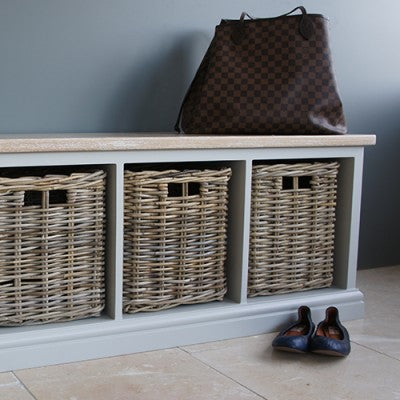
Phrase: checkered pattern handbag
(265, 76)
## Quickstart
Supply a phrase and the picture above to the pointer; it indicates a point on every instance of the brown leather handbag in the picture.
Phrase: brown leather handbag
(265, 76)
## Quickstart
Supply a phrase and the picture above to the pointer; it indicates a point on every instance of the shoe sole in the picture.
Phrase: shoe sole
(329, 353)
(289, 350)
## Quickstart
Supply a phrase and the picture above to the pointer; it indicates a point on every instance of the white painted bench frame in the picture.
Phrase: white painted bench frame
(114, 333)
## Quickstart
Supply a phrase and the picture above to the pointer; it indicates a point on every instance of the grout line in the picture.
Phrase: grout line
(376, 351)
(23, 385)
(221, 373)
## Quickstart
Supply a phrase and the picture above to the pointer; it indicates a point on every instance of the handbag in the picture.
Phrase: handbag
(265, 76)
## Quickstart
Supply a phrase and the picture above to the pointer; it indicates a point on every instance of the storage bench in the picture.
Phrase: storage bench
(66, 258)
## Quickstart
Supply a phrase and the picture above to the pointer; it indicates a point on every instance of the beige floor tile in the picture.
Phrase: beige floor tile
(167, 374)
(11, 388)
(218, 345)
(364, 375)
(380, 329)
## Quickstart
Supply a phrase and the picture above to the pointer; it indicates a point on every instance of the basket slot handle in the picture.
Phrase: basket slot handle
(296, 182)
(304, 182)
(39, 198)
(183, 189)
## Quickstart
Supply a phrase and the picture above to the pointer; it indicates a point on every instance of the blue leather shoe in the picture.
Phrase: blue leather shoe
(296, 337)
(331, 337)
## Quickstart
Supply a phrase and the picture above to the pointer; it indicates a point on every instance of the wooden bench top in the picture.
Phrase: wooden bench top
(67, 142)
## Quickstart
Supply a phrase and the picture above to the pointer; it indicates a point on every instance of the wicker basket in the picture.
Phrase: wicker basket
(51, 248)
(175, 238)
(292, 227)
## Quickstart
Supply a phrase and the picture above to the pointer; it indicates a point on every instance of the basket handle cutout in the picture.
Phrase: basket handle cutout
(296, 182)
(305, 182)
(36, 197)
(183, 189)
(287, 182)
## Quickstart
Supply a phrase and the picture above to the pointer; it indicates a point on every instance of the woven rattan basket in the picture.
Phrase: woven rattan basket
(51, 248)
(175, 238)
(292, 227)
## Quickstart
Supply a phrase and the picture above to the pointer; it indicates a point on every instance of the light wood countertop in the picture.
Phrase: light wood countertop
(67, 142)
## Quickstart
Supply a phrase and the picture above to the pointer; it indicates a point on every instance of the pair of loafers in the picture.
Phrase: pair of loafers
(329, 338)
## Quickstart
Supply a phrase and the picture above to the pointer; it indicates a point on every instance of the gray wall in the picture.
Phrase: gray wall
(124, 65)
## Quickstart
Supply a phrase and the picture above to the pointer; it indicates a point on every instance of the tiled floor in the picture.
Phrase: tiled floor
(244, 368)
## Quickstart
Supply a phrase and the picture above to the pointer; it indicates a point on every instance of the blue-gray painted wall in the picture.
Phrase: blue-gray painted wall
(124, 65)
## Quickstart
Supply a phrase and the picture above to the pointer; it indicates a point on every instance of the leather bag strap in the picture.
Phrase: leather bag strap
(306, 26)
(301, 8)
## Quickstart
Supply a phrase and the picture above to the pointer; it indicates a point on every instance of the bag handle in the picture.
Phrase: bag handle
(244, 15)
(301, 8)
(306, 26)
